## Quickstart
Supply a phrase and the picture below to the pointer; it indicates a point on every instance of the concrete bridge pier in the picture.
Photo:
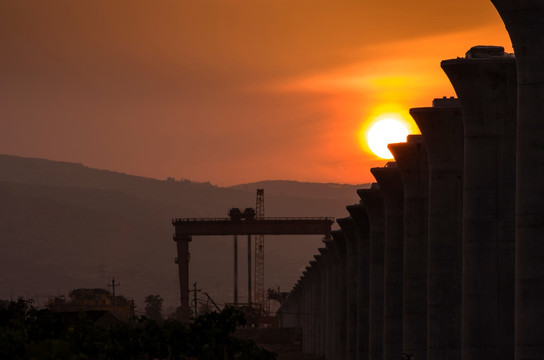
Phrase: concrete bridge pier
(323, 299)
(308, 330)
(182, 244)
(372, 202)
(442, 128)
(316, 306)
(486, 83)
(309, 310)
(294, 309)
(304, 311)
(315, 315)
(298, 304)
(287, 310)
(338, 249)
(411, 157)
(360, 220)
(524, 20)
(390, 181)
(329, 263)
(300, 311)
(352, 246)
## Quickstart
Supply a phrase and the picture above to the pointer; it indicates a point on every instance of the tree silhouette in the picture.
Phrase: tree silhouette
(153, 307)
(27, 333)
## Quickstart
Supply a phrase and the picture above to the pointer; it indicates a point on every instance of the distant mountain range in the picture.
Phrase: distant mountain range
(305, 190)
(64, 226)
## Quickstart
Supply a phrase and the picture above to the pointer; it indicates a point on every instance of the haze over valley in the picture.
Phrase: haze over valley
(64, 226)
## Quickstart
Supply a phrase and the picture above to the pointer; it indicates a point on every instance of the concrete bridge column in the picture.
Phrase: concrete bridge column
(307, 332)
(284, 312)
(309, 311)
(442, 129)
(486, 84)
(298, 303)
(360, 220)
(323, 299)
(337, 248)
(316, 306)
(182, 244)
(372, 202)
(524, 21)
(303, 310)
(389, 179)
(292, 310)
(411, 157)
(314, 315)
(296, 309)
(293, 313)
(352, 244)
(328, 261)
(289, 309)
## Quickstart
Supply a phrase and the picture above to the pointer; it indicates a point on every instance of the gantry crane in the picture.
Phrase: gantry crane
(259, 255)
(187, 228)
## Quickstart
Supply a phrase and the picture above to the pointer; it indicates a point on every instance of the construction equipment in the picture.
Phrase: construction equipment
(259, 255)
(240, 224)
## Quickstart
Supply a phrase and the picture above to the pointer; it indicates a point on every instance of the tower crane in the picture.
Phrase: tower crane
(259, 256)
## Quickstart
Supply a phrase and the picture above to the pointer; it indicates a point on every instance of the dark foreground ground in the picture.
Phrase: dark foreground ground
(287, 343)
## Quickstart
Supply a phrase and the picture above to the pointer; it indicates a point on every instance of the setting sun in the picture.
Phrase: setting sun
(384, 132)
(388, 123)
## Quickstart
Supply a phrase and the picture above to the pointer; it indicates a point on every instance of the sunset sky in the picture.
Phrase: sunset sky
(226, 91)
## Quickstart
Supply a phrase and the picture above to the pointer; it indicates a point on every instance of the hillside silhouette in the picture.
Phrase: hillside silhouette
(64, 225)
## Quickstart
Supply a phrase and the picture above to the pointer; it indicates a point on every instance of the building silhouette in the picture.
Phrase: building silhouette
(94, 300)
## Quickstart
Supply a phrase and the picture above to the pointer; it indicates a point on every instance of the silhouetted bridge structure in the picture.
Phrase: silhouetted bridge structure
(186, 228)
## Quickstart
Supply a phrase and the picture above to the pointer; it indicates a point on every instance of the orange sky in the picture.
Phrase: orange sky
(226, 91)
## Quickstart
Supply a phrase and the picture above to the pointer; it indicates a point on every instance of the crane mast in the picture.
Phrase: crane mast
(259, 255)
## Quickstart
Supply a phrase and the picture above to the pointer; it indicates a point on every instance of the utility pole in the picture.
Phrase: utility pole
(195, 299)
(113, 285)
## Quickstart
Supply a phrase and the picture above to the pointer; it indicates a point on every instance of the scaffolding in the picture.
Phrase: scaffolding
(259, 255)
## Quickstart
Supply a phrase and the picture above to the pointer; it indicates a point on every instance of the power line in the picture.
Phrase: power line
(113, 285)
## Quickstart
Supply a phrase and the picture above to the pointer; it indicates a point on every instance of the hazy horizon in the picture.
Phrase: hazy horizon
(65, 225)
(191, 180)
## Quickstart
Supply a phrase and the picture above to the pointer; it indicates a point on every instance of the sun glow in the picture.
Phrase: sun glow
(385, 132)
(383, 129)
